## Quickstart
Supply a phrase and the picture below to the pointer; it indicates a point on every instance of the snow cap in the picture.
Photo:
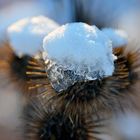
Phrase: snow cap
(118, 37)
(77, 52)
(26, 35)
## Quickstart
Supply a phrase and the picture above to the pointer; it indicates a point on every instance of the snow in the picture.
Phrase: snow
(61, 11)
(77, 52)
(118, 37)
(26, 35)
(17, 10)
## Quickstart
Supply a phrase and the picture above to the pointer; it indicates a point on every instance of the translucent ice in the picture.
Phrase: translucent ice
(77, 52)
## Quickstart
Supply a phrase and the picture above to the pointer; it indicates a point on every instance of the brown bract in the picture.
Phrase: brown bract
(84, 110)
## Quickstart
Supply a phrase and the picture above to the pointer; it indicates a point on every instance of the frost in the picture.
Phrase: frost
(77, 52)
(118, 37)
(26, 35)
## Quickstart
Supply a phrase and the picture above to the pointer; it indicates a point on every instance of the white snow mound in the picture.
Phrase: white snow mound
(26, 35)
(16, 10)
(118, 37)
(77, 52)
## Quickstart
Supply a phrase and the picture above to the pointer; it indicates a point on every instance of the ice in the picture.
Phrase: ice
(77, 52)
(118, 37)
(26, 35)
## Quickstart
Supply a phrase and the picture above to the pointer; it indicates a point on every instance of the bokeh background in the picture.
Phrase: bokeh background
(119, 14)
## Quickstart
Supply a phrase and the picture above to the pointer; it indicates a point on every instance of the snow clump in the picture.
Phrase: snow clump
(26, 35)
(118, 37)
(77, 52)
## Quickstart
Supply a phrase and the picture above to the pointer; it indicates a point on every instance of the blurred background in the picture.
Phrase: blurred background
(119, 14)
(103, 13)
